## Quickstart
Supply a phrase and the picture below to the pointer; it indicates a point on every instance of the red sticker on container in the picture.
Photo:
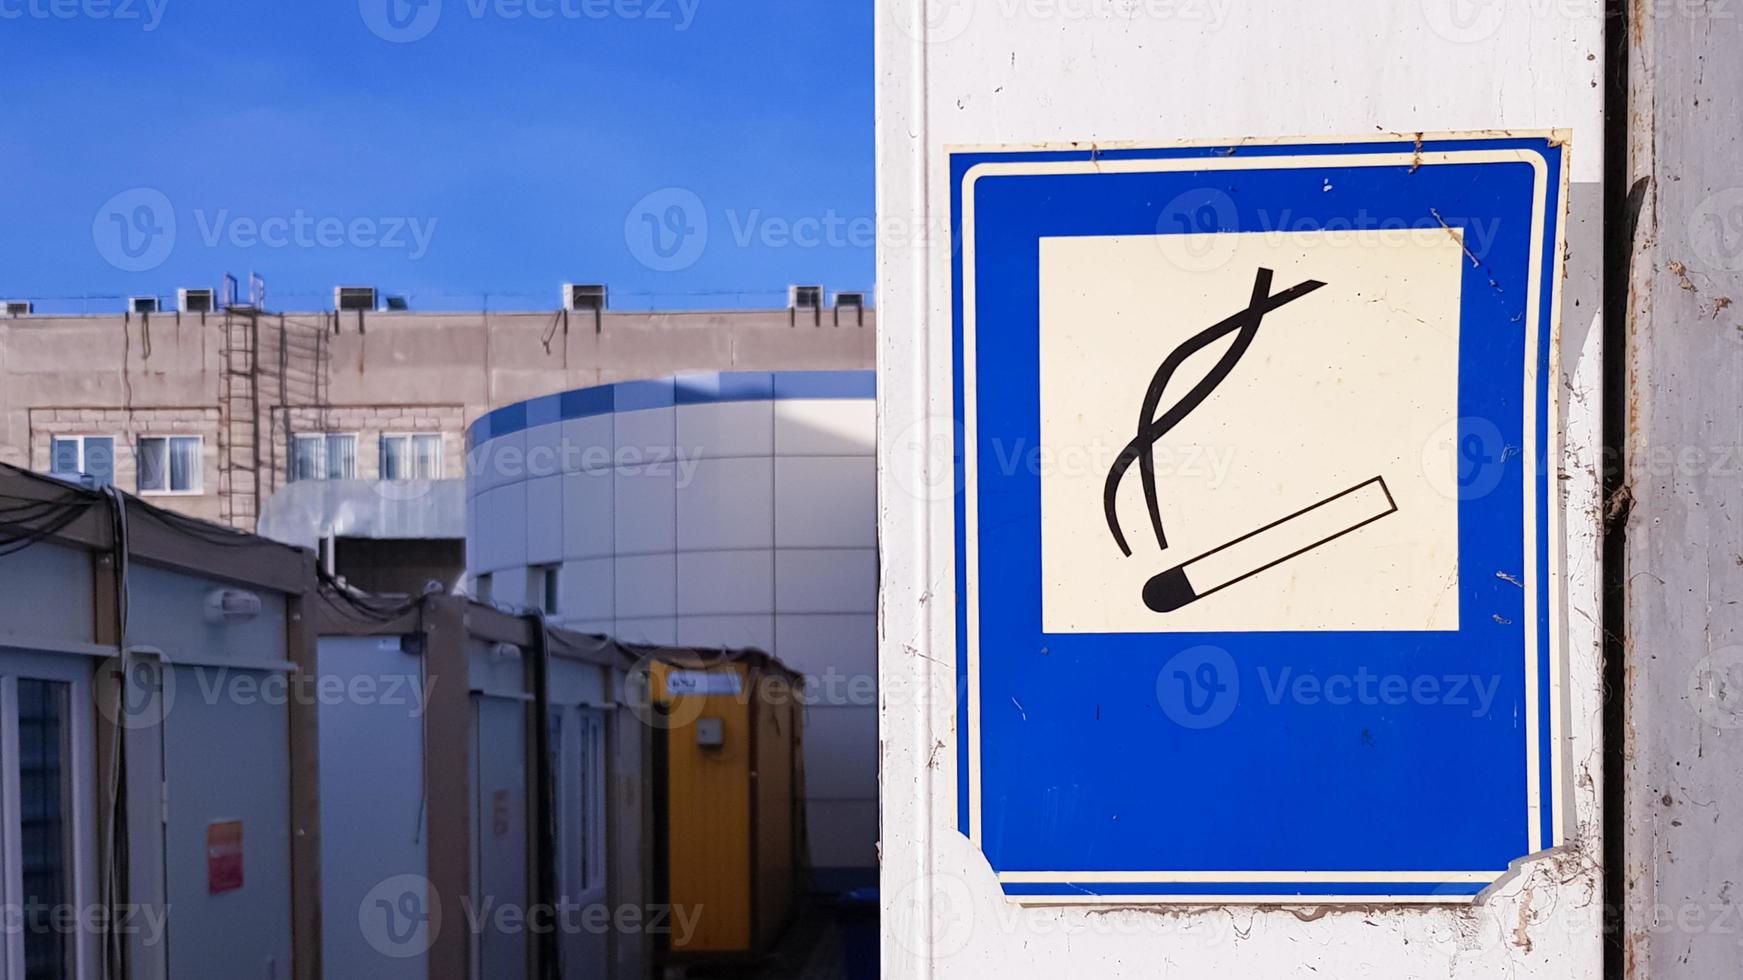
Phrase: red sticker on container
(224, 856)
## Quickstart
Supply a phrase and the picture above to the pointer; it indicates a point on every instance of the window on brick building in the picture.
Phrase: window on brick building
(411, 456)
(92, 456)
(324, 456)
(170, 464)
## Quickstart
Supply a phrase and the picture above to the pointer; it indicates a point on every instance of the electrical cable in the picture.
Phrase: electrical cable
(33, 521)
(116, 883)
(369, 608)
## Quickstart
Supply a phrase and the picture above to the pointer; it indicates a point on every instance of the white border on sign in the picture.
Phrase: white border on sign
(1533, 336)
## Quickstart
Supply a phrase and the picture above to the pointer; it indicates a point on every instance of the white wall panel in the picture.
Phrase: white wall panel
(826, 501)
(588, 443)
(660, 630)
(545, 537)
(826, 580)
(588, 589)
(645, 513)
(727, 503)
(544, 452)
(646, 586)
(589, 520)
(733, 632)
(817, 645)
(727, 429)
(645, 434)
(825, 427)
(713, 582)
(840, 745)
(502, 528)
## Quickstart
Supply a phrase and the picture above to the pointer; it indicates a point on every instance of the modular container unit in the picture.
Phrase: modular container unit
(731, 810)
(150, 826)
(444, 852)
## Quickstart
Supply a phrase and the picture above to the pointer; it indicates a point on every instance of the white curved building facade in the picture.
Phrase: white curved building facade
(734, 509)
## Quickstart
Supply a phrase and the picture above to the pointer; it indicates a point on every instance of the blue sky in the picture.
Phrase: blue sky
(441, 149)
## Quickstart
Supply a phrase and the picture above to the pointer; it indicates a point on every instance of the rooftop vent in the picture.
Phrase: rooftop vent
(361, 298)
(808, 298)
(583, 297)
(20, 307)
(851, 301)
(196, 300)
(142, 304)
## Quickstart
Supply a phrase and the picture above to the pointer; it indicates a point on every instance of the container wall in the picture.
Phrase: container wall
(176, 622)
(227, 776)
(776, 871)
(708, 826)
(374, 851)
(502, 825)
(48, 595)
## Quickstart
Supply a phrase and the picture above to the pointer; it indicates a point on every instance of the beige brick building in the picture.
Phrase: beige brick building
(201, 413)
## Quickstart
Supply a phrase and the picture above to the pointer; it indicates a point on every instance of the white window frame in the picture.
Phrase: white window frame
(199, 488)
(80, 776)
(115, 444)
(356, 445)
(408, 435)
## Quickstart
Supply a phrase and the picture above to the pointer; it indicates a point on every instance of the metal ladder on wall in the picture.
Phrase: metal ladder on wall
(239, 429)
(304, 355)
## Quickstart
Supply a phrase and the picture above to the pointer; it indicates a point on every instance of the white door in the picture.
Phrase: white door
(500, 832)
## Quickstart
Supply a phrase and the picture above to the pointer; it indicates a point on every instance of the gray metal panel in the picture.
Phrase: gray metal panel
(1683, 670)
(48, 595)
(373, 824)
(168, 612)
(227, 757)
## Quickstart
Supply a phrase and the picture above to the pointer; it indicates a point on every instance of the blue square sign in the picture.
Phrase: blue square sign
(1257, 528)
